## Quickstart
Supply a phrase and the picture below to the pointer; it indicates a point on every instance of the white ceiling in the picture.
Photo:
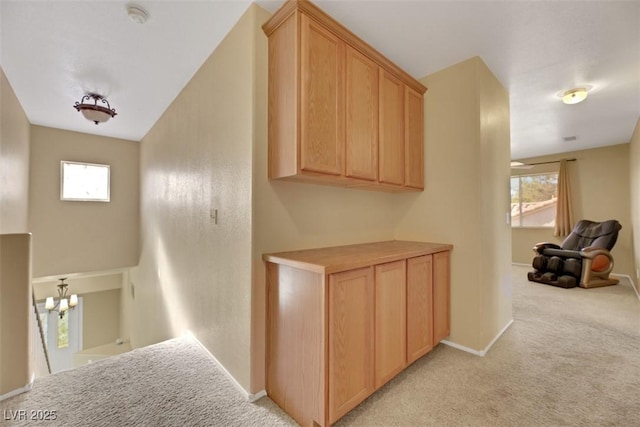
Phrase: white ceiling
(53, 51)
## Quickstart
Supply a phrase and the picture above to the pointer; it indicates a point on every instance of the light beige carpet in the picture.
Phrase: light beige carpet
(173, 383)
(571, 358)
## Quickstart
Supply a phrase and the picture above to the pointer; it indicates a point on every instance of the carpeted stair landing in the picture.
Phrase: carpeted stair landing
(173, 383)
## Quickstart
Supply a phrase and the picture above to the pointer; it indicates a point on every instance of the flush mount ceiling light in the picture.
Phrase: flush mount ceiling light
(573, 96)
(93, 112)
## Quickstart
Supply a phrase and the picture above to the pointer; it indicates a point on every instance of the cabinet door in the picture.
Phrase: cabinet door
(419, 307)
(391, 321)
(441, 296)
(362, 116)
(321, 99)
(391, 129)
(350, 340)
(414, 139)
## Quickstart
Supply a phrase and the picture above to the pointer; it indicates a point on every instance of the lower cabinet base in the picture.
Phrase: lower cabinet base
(305, 421)
(343, 321)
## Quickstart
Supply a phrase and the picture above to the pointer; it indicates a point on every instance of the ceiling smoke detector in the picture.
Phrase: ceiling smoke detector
(137, 14)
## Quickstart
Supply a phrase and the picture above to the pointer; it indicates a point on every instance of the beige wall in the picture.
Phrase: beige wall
(14, 161)
(15, 311)
(101, 318)
(15, 249)
(71, 237)
(634, 191)
(466, 157)
(126, 307)
(495, 151)
(101, 314)
(78, 284)
(195, 274)
(600, 183)
(208, 151)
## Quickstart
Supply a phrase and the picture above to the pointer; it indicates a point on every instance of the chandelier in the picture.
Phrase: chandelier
(62, 304)
(92, 111)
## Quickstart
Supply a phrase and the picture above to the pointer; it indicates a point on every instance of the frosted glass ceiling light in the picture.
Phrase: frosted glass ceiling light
(573, 96)
(63, 304)
(93, 112)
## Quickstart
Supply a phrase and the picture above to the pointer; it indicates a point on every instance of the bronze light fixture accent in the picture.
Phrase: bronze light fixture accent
(62, 305)
(92, 111)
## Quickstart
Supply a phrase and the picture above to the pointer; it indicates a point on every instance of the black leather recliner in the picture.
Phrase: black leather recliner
(583, 259)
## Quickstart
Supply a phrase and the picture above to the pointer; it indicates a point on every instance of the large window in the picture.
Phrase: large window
(84, 182)
(533, 200)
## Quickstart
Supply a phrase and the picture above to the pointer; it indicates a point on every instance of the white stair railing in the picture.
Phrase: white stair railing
(43, 339)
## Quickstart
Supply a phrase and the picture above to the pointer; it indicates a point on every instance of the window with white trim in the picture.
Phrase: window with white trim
(534, 199)
(84, 182)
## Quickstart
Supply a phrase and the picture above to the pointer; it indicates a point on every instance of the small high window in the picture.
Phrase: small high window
(84, 182)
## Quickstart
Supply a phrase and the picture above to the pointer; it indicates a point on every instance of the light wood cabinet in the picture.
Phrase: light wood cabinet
(419, 307)
(322, 118)
(362, 116)
(296, 340)
(441, 295)
(340, 113)
(351, 299)
(392, 152)
(414, 138)
(343, 321)
(390, 320)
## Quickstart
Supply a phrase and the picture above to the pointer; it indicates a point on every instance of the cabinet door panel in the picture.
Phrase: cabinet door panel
(362, 116)
(321, 99)
(391, 321)
(350, 340)
(391, 129)
(414, 139)
(419, 307)
(441, 296)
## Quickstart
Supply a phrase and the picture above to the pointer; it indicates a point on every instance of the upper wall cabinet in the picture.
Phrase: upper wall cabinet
(340, 113)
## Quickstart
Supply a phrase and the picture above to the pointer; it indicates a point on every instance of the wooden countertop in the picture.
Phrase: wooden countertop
(341, 258)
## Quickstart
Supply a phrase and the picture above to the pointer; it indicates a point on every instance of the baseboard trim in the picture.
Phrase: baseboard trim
(18, 391)
(633, 284)
(256, 396)
(463, 348)
(521, 264)
(480, 353)
(248, 396)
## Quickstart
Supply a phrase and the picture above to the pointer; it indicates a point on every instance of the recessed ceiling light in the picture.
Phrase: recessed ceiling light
(137, 14)
(573, 96)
